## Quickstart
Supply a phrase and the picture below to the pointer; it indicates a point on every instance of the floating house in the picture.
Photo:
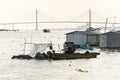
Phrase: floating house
(83, 37)
(110, 40)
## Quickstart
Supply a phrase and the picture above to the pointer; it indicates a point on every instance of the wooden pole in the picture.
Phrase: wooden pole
(59, 48)
(31, 42)
(24, 46)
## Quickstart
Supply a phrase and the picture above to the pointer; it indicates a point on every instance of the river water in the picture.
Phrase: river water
(105, 67)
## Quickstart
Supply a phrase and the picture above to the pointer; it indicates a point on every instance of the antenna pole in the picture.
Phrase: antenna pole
(36, 19)
(106, 24)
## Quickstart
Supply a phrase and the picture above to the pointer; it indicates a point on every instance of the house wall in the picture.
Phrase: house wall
(70, 38)
(110, 40)
(113, 40)
(92, 39)
(80, 39)
(103, 41)
(77, 38)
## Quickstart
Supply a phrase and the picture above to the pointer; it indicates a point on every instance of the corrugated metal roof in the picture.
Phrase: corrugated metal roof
(84, 32)
(117, 32)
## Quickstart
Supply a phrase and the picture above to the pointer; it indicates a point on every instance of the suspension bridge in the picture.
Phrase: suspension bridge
(89, 20)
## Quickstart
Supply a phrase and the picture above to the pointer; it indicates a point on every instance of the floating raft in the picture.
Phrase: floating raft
(59, 56)
(22, 57)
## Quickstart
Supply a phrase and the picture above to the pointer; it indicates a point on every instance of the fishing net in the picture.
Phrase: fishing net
(39, 48)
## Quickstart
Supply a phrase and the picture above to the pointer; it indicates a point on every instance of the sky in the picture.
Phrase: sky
(24, 10)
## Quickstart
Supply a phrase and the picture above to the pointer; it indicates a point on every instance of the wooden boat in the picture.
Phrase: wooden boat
(69, 49)
(58, 56)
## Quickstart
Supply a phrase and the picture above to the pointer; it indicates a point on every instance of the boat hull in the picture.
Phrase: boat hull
(58, 56)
